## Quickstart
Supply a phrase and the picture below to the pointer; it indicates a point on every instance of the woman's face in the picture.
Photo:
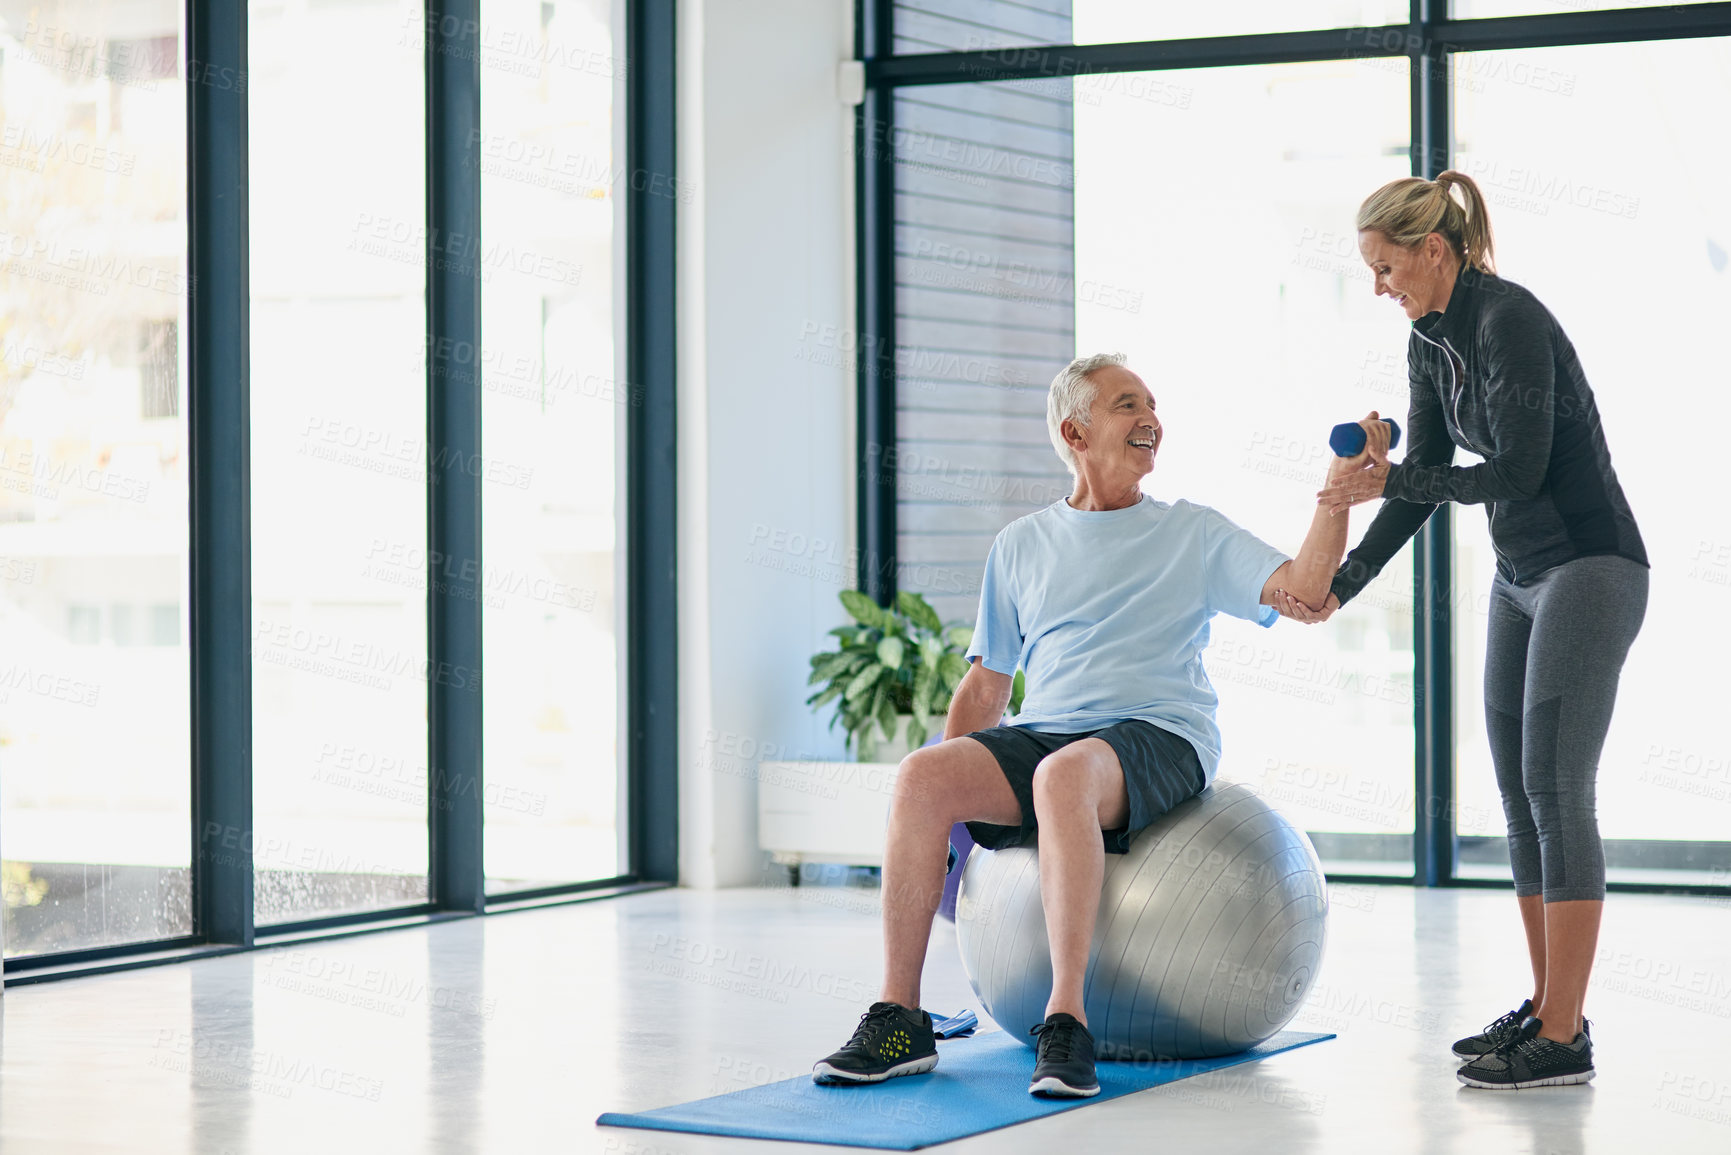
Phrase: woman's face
(1416, 279)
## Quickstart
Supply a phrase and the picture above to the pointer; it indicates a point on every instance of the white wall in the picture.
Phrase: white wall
(766, 430)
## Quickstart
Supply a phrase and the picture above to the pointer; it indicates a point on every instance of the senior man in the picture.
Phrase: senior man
(1104, 600)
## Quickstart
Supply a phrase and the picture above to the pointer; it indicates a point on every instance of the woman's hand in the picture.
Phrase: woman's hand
(1345, 491)
(1376, 433)
(1290, 607)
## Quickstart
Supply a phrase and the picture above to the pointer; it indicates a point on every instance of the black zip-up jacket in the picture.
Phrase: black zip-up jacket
(1493, 373)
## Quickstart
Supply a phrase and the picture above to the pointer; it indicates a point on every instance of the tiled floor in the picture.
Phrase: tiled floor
(512, 1033)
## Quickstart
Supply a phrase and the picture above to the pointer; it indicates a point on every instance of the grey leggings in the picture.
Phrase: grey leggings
(1555, 648)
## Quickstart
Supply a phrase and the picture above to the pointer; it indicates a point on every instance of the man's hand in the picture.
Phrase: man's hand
(1375, 451)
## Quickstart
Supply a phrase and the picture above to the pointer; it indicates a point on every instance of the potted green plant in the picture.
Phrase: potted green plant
(894, 673)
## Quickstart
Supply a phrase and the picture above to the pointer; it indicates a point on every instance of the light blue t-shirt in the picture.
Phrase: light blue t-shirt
(1107, 611)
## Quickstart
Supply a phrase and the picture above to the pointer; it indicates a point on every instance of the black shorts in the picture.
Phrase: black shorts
(1161, 770)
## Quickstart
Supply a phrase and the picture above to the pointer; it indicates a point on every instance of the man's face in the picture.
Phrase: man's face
(1124, 434)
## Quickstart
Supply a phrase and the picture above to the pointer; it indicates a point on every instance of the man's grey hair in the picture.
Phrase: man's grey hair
(1071, 397)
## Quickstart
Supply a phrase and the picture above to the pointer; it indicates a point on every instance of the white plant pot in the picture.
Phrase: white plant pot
(874, 747)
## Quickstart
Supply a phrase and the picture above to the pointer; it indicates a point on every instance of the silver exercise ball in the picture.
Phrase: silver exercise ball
(1209, 934)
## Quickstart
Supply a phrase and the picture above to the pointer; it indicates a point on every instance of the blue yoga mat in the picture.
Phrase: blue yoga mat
(980, 1084)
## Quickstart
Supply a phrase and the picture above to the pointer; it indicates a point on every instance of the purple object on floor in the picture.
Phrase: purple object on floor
(953, 881)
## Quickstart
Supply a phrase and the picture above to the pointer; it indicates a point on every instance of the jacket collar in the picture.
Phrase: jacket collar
(1456, 320)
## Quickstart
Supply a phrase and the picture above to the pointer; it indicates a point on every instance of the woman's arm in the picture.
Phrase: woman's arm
(1520, 383)
(1428, 444)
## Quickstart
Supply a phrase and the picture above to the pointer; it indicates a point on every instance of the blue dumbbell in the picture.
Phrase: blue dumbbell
(1347, 440)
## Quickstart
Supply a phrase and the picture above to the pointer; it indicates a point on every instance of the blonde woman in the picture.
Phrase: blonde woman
(1492, 372)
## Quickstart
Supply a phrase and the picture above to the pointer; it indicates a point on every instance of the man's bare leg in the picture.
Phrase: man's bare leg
(958, 780)
(1078, 792)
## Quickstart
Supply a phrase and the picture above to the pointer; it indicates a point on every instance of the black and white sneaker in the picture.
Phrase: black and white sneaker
(890, 1040)
(1504, 1030)
(1064, 1063)
(1498, 1032)
(1531, 1061)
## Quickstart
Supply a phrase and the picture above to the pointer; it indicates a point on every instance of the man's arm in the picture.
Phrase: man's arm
(1308, 576)
(980, 701)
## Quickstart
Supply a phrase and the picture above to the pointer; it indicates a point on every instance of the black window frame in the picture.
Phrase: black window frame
(1429, 40)
(218, 415)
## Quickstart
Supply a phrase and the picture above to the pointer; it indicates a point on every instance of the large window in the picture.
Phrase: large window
(339, 474)
(315, 393)
(1606, 205)
(94, 798)
(554, 411)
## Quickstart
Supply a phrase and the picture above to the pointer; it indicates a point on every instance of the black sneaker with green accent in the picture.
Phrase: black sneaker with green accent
(1532, 1061)
(1500, 1031)
(1064, 1058)
(890, 1040)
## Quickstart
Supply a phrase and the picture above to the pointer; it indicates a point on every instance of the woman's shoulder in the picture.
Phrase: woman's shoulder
(1501, 298)
(1508, 311)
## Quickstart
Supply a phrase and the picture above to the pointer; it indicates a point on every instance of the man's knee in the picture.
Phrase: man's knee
(920, 777)
(933, 780)
(1063, 782)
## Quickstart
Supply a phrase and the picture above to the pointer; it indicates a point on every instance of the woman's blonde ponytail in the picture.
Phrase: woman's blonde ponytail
(1475, 235)
(1411, 208)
